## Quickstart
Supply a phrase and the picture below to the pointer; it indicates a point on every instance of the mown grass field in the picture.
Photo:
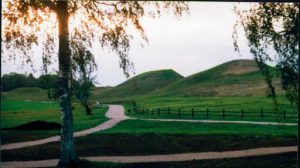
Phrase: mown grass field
(15, 113)
(251, 106)
(160, 127)
(228, 102)
(18, 112)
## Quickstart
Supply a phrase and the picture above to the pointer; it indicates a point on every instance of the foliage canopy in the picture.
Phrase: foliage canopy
(273, 26)
(28, 22)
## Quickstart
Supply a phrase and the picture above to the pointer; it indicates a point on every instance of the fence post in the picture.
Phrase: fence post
(158, 111)
(152, 111)
(261, 113)
(242, 114)
(192, 112)
(284, 114)
(179, 112)
(207, 113)
(223, 113)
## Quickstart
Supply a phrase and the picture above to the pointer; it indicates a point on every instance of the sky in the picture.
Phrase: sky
(193, 43)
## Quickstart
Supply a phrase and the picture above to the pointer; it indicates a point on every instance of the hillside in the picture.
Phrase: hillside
(142, 84)
(233, 78)
(25, 93)
(96, 91)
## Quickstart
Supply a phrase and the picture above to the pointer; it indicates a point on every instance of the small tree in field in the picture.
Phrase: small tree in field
(55, 22)
(84, 65)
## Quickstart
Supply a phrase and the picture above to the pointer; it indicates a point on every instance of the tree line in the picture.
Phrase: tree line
(46, 81)
(15, 80)
(80, 86)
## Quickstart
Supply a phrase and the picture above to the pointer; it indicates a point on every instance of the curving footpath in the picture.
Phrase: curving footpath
(160, 158)
(115, 113)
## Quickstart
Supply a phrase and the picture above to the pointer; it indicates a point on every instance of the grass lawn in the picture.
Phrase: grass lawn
(15, 113)
(158, 127)
(251, 106)
(226, 102)
(215, 115)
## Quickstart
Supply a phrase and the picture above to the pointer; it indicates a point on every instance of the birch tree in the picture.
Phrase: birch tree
(53, 23)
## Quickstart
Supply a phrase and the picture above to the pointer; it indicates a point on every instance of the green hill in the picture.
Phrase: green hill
(25, 93)
(96, 91)
(142, 84)
(233, 78)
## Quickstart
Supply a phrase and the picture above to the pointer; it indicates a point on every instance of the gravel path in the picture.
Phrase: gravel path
(160, 158)
(115, 113)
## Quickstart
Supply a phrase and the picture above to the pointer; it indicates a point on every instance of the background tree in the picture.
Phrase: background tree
(14, 80)
(49, 82)
(83, 64)
(28, 22)
(273, 26)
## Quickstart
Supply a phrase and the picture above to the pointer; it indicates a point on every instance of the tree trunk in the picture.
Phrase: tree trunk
(68, 157)
(88, 110)
(49, 94)
(84, 103)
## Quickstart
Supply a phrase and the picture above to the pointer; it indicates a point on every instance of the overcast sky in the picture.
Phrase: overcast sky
(192, 44)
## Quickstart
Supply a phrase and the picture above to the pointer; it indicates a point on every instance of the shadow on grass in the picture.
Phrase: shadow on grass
(36, 125)
(146, 144)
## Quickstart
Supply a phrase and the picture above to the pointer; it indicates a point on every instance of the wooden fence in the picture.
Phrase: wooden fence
(209, 113)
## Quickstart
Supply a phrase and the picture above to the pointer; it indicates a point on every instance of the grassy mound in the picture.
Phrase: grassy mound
(25, 93)
(95, 91)
(143, 84)
(234, 78)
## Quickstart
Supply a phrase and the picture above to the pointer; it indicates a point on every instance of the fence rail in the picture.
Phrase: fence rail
(208, 113)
